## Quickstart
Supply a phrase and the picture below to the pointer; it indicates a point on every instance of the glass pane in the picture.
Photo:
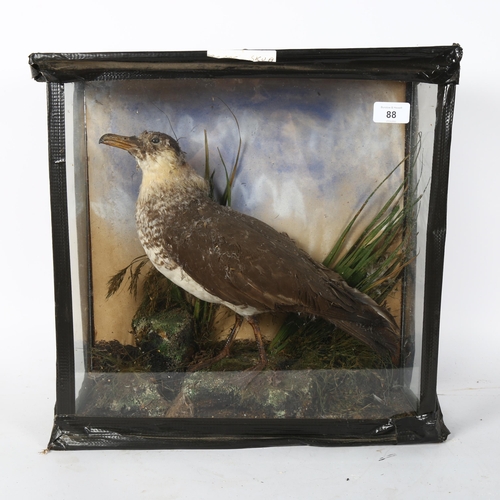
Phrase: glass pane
(308, 155)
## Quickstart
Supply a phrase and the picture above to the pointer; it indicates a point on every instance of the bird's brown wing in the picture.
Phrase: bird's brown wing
(246, 262)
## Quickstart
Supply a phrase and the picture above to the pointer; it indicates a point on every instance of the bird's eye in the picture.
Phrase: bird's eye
(155, 139)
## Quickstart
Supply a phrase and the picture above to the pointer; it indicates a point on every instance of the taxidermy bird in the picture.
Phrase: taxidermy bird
(225, 257)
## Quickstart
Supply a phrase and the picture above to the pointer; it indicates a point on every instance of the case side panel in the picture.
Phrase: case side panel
(436, 235)
(62, 276)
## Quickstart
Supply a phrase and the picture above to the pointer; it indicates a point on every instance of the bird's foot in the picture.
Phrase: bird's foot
(207, 363)
(225, 351)
(258, 367)
(250, 374)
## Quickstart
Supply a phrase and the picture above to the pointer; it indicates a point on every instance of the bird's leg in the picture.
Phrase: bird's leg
(260, 343)
(225, 351)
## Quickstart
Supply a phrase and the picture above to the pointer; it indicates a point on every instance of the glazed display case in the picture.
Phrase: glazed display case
(302, 306)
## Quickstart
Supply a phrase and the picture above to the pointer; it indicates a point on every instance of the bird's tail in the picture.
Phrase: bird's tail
(372, 324)
(383, 338)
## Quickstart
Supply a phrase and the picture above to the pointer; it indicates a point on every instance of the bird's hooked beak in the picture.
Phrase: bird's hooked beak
(130, 144)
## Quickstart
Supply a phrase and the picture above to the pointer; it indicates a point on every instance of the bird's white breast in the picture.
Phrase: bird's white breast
(176, 275)
(150, 230)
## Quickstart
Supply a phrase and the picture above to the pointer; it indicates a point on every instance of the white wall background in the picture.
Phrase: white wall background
(466, 466)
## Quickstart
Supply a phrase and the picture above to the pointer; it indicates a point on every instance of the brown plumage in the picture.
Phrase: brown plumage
(227, 257)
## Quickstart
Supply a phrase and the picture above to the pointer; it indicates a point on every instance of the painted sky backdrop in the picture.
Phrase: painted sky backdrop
(306, 142)
(311, 152)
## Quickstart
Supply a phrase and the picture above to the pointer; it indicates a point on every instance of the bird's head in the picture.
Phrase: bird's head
(158, 156)
(149, 148)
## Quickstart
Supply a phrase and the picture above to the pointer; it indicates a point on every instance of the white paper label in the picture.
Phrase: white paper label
(391, 112)
(244, 55)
